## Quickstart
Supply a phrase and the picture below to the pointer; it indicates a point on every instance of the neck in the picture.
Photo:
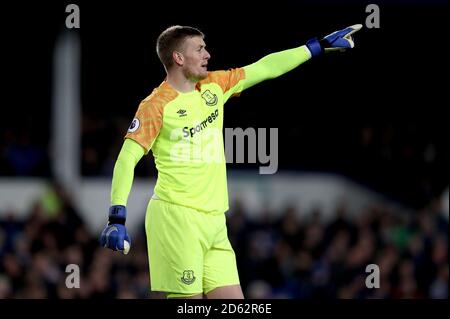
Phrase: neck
(179, 82)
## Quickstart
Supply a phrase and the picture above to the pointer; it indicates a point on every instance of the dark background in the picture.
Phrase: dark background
(370, 114)
(374, 114)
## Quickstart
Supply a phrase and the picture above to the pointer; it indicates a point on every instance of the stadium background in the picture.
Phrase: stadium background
(369, 122)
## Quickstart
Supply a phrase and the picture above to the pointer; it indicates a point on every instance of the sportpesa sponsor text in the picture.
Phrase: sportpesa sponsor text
(199, 127)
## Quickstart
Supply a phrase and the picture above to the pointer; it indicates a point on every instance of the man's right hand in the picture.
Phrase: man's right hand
(115, 235)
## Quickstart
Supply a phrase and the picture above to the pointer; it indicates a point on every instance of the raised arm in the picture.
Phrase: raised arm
(274, 65)
(279, 63)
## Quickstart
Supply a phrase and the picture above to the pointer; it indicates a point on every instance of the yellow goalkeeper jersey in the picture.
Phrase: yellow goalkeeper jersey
(184, 132)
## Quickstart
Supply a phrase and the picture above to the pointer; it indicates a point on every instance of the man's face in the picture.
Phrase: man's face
(195, 58)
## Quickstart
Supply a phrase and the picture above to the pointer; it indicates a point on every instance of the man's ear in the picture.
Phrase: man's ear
(178, 58)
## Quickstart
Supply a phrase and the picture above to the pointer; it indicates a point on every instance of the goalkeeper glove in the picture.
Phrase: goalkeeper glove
(115, 235)
(339, 40)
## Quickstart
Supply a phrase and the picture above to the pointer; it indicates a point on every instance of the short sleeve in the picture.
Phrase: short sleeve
(230, 81)
(147, 122)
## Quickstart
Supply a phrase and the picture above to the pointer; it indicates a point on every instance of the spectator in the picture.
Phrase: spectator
(291, 257)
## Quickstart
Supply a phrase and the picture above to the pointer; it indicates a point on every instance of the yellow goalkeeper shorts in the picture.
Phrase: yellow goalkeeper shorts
(189, 251)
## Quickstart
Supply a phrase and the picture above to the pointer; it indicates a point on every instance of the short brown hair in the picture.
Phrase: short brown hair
(171, 39)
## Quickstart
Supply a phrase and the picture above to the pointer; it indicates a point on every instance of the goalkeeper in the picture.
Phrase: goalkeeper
(181, 121)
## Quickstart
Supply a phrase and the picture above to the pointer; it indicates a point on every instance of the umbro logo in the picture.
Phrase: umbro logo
(181, 112)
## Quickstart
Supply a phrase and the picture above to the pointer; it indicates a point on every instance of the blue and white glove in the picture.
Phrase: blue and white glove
(339, 40)
(115, 235)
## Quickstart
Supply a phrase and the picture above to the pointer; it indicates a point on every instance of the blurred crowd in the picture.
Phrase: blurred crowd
(404, 161)
(293, 257)
(280, 254)
(35, 251)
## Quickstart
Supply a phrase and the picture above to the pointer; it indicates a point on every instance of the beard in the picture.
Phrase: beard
(195, 75)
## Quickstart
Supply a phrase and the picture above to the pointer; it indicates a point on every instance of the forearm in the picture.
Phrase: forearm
(123, 173)
(274, 65)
